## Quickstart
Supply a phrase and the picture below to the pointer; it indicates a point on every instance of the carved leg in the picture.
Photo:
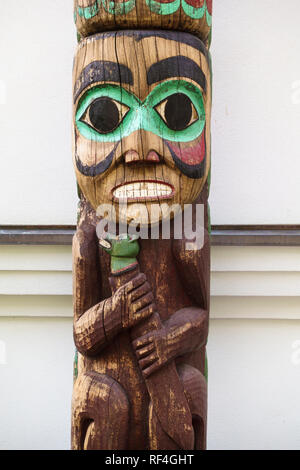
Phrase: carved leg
(100, 413)
(195, 389)
(158, 439)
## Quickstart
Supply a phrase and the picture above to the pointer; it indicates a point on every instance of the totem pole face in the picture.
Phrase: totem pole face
(141, 118)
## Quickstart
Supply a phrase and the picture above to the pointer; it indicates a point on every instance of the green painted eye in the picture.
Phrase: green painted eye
(104, 114)
(174, 110)
(177, 111)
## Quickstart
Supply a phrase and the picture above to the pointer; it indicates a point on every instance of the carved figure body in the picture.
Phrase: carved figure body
(141, 134)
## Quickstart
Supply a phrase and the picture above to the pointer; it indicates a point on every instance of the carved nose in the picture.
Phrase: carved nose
(153, 156)
(133, 156)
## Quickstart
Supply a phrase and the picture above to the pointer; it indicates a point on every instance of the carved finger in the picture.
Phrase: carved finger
(142, 302)
(147, 361)
(145, 312)
(140, 353)
(140, 291)
(143, 341)
(153, 368)
(135, 282)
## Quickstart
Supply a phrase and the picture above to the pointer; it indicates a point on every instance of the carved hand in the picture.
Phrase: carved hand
(134, 301)
(184, 332)
(152, 351)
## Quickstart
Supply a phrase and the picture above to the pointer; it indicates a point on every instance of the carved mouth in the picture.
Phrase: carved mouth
(145, 190)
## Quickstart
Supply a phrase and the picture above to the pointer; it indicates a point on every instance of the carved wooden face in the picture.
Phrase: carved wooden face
(141, 118)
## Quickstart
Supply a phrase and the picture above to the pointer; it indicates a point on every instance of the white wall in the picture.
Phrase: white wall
(36, 383)
(254, 380)
(255, 125)
(256, 112)
(36, 56)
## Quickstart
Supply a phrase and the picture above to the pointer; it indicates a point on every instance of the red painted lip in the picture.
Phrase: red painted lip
(143, 198)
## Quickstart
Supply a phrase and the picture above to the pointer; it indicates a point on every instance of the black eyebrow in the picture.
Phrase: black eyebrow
(102, 71)
(178, 66)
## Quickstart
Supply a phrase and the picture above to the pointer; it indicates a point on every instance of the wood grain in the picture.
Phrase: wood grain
(105, 162)
(141, 138)
(193, 16)
(110, 345)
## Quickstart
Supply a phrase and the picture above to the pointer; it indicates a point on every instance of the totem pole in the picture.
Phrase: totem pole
(141, 140)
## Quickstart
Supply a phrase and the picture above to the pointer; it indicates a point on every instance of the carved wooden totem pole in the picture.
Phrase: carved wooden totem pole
(141, 139)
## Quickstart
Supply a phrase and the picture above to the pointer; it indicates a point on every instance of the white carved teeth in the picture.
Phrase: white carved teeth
(143, 189)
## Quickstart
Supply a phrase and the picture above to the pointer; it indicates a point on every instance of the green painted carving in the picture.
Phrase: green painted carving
(163, 8)
(192, 12)
(110, 6)
(90, 11)
(142, 115)
(157, 7)
(208, 18)
(118, 8)
(123, 250)
(170, 8)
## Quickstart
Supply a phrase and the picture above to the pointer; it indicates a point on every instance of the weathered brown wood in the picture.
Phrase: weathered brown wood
(193, 16)
(105, 336)
(165, 383)
(142, 104)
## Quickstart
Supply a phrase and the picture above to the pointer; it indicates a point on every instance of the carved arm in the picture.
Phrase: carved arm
(184, 332)
(129, 305)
